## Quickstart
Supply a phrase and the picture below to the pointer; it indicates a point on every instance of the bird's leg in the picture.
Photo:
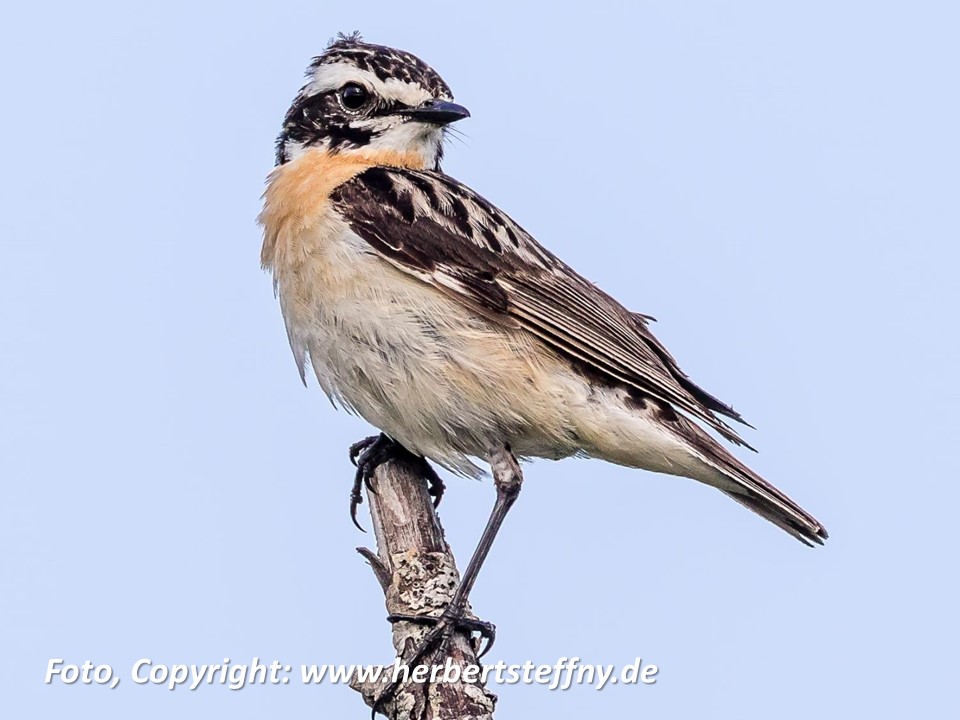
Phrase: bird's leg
(375, 450)
(508, 479)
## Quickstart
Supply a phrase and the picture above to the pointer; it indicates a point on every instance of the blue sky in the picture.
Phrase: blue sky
(776, 183)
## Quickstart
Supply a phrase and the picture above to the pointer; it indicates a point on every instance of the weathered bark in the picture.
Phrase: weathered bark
(418, 575)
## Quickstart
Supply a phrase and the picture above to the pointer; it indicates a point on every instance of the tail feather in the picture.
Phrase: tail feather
(808, 531)
(746, 487)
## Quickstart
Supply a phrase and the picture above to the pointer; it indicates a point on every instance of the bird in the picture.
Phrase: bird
(425, 309)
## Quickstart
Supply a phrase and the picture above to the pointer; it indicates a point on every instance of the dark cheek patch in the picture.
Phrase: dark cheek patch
(319, 118)
(344, 136)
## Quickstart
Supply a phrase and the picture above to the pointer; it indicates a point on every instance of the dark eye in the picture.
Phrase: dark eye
(353, 96)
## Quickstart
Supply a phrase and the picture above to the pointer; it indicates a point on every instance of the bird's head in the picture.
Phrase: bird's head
(363, 98)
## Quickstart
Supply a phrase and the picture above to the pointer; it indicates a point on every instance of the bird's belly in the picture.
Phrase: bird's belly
(420, 366)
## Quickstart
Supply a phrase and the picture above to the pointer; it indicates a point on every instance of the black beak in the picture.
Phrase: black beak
(438, 112)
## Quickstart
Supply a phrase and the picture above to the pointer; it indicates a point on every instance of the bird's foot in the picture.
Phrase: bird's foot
(370, 453)
(435, 641)
(367, 455)
(487, 631)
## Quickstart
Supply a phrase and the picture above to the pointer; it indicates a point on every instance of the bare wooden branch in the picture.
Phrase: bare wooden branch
(418, 574)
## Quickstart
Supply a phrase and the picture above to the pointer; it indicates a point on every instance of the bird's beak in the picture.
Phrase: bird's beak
(437, 112)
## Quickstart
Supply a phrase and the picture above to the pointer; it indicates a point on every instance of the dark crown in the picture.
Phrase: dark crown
(382, 61)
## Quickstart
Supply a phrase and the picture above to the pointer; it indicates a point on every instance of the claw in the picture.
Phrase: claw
(367, 454)
(488, 632)
(358, 447)
(356, 499)
(435, 486)
(436, 640)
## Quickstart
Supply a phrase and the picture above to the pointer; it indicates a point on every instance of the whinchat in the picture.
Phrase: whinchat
(425, 309)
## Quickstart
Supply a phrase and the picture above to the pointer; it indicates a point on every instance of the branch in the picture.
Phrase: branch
(418, 575)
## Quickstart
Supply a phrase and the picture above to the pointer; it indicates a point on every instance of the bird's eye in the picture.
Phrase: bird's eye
(353, 96)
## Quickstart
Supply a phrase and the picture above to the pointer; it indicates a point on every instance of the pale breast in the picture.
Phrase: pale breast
(412, 361)
(417, 364)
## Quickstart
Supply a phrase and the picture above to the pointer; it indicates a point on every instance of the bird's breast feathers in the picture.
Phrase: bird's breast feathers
(326, 280)
(383, 343)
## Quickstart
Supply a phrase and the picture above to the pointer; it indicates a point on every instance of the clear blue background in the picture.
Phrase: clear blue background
(777, 182)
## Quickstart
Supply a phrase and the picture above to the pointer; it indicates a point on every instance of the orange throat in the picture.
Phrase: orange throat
(298, 193)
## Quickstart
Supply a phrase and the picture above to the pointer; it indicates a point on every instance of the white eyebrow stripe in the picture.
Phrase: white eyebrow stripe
(336, 75)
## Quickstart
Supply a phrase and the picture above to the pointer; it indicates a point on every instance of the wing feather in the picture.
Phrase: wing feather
(469, 249)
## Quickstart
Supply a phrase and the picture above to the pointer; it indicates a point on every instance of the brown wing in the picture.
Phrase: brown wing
(442, 232)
